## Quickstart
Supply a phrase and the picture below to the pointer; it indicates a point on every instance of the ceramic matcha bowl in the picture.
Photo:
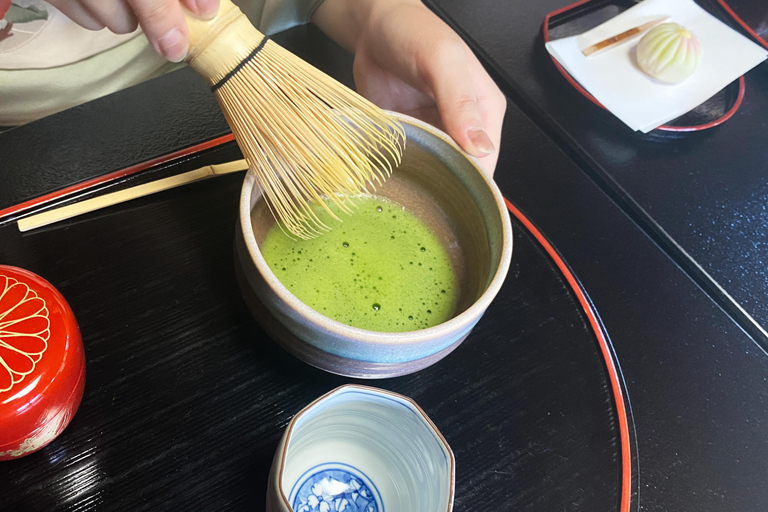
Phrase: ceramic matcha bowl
(363, 449)
(461, 206)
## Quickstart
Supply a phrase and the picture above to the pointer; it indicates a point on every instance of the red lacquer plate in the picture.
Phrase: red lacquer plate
(585, 14)
(42, 363)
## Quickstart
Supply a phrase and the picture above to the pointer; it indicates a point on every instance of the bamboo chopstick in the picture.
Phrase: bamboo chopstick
(89, 205)
(618, 38)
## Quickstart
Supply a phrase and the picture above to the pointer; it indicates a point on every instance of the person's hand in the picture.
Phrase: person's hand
(408, 60)
(161, 20)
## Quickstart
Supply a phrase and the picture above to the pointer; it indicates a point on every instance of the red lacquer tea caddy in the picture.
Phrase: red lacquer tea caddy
(42, 363)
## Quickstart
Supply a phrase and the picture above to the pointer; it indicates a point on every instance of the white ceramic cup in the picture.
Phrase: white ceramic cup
(362, 449)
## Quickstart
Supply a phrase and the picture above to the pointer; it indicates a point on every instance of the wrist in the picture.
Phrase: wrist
(345, 21)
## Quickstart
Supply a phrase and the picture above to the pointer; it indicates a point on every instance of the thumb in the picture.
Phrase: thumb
(452, 87)
(164, 25)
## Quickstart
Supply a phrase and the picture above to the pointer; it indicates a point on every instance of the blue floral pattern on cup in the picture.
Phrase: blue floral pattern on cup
(335, 487)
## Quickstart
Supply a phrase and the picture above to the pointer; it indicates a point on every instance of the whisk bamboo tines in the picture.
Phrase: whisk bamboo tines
(308, 138)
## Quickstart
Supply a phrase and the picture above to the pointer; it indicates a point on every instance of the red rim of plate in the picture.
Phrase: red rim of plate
(741, 22)
(665, 128)
(602, 339)
(112, 176)
(605, 349)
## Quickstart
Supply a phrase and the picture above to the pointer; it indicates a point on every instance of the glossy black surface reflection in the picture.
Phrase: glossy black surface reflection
(697, 385)
(186, 397)
(701, 196)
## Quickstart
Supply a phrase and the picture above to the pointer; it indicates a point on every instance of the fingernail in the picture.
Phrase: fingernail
(480, 140)
(206, 9)
(173, 45)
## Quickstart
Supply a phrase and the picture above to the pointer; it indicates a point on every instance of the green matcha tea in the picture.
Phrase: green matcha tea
(382, 269)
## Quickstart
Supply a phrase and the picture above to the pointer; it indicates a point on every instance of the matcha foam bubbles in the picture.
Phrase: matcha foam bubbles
(382, 269)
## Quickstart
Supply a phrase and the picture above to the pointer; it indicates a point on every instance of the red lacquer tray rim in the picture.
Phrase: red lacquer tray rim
(621, 400)
(727, 8)
(665, 128)
(71, 190)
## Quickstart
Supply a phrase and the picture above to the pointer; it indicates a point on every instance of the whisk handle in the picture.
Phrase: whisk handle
(216, 46)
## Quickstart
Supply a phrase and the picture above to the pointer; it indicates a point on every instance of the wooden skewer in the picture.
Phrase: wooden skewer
(89, 205)
(627, 34)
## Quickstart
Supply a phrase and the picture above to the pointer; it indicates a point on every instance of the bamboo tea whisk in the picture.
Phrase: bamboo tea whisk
(308, 138)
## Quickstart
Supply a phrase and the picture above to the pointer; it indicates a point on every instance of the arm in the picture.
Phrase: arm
(407, 59)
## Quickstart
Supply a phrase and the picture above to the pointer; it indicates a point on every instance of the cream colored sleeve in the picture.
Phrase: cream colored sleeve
(29, 94)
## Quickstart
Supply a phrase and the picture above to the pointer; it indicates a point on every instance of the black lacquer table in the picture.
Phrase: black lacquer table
(186, 397)
(700, 195)
(696, 383)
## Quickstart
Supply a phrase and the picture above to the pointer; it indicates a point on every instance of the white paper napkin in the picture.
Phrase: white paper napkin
(641, 102)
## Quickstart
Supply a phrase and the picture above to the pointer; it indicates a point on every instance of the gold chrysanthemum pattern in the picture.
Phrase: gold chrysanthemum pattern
(24, 331)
